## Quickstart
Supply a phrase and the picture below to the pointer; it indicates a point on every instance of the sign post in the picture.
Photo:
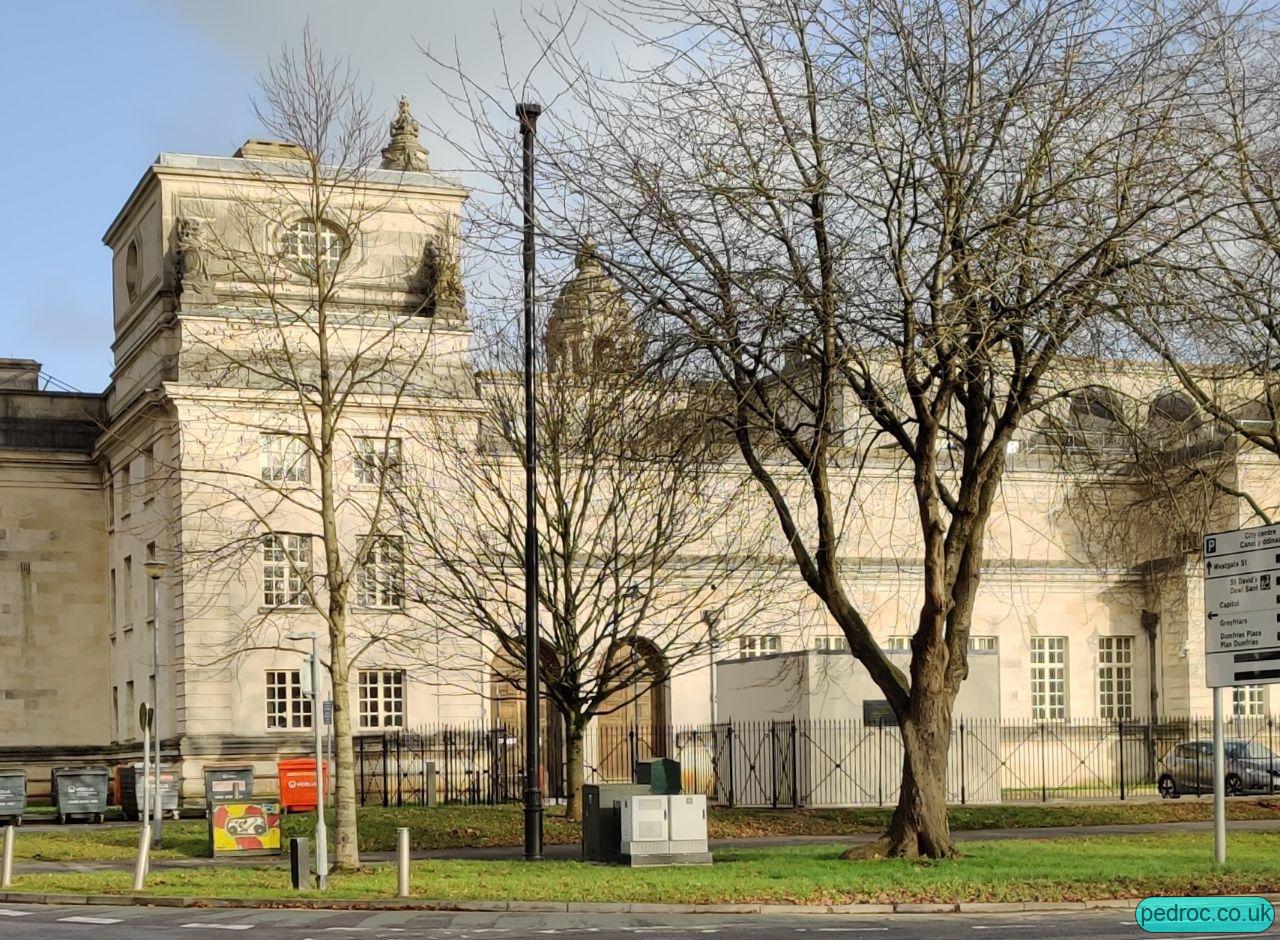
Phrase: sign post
(1242, 633)
(146, 718)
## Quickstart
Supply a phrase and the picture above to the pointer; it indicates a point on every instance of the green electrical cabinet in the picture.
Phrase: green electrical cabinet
(661, 775)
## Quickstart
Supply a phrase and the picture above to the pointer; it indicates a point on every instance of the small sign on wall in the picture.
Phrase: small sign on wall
(249, 828)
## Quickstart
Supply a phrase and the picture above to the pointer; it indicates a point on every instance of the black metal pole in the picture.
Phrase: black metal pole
(527, 114)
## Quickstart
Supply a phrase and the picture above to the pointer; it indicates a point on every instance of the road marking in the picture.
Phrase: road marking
(100, 921)
(7, 913)
(219, 926)
(1001, 926)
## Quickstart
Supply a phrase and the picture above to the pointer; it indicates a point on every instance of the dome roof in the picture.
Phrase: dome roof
(589, 320)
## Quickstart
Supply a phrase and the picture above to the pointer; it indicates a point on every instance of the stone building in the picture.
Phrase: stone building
(187, 458)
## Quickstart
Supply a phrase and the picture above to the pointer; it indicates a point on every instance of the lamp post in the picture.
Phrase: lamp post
(527, 114)
(322, 833)
(156, 569)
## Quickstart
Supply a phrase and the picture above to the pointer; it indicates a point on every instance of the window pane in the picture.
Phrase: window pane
(381, 698)
(285, 459)
(287, 707)
(1115, 677)
(286, 568)
(1048, 678)
(377, 459)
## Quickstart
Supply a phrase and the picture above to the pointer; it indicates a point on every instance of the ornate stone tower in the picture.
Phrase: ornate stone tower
(590, 326)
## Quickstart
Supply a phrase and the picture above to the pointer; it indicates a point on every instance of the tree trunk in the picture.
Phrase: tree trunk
(346, 855)
(575, 770)
(920, 827)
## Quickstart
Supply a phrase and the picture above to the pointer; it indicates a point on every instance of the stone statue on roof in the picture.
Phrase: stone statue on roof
(405, 152)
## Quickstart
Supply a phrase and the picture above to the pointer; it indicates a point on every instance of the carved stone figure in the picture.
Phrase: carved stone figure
(192, 256)
(405, 152)
(449, 292)
(437, 278)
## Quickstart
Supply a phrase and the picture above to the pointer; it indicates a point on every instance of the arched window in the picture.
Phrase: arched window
(1173, 407)
(1096, 402)
(303, 245)
(634, 717)
(506, 691)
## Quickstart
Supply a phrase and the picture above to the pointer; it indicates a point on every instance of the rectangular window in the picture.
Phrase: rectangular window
(750, 647)
(111, 506)
(381, 576)
(982, 644)
(151, 586)
(287, 707)
(831, 643)
(286, 570)
(378, 460)
(114, 613)
(126, 493)
(1049, 678)
(149, 474)
(127, 592)
(898, 643)
(285, 459)
(1248, 701)
(1115, 677)
(115, 713)
(129, 718)
(381, 698)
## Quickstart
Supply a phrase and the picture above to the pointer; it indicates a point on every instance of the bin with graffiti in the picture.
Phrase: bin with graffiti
(245, 828)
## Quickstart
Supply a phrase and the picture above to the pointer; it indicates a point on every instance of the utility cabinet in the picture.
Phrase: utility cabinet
(687, 818)
(661, 829)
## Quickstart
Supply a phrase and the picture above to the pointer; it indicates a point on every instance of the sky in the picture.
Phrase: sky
(96, 90)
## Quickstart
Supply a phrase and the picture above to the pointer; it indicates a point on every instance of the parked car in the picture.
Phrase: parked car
(1188, 768)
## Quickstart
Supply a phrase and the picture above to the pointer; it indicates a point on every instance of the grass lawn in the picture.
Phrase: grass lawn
(449, 827)
(1013, 870)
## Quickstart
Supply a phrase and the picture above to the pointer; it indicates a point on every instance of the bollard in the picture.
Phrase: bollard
(6, 864)
(299, 864)
(144, 857)
(402, 862)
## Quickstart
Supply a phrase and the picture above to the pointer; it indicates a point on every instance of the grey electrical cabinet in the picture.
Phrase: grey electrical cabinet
(601, 821)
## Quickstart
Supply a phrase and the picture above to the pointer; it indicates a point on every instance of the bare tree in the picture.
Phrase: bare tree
(313, 283)
(878, 226)
(1210, 314)
(644, 533)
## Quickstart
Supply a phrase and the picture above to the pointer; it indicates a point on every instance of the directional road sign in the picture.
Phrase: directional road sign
(1242, 606)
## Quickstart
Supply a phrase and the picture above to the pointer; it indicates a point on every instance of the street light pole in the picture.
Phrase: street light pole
(527, 114)
(322, 832)
(156, 569)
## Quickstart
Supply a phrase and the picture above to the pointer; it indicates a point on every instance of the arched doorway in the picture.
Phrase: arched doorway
(632, 725)
(506, 698)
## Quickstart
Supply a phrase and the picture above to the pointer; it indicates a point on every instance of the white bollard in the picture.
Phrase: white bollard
(6, 864)
(402, 860)
(144, 858)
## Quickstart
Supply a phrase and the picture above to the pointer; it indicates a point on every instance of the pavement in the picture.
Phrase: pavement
(102, 922)
(142, 918)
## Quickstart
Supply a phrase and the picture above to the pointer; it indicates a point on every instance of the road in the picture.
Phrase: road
(21, 922)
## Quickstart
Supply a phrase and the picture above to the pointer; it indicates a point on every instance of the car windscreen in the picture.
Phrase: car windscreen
(1249, 750)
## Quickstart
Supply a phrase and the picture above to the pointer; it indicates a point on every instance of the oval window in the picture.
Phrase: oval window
(304, 245)
(131, 270)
